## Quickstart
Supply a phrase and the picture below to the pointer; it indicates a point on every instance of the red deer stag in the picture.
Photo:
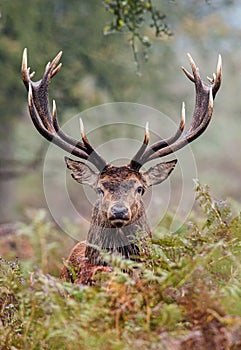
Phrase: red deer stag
(119, 222)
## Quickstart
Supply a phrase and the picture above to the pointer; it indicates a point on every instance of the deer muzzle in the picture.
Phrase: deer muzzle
(119, 215)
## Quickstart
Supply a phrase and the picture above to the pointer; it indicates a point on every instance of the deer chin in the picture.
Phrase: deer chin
(117, 223)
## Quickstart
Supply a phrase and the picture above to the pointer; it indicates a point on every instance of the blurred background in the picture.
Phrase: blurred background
(100, 69)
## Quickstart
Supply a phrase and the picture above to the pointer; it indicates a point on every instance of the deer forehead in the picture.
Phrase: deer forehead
(120, 178)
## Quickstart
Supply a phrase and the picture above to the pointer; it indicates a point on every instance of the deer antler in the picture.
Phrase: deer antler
(48, 126)
(47, 123)
(205, 93)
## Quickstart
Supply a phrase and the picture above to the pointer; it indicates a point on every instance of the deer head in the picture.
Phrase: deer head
(119, 188)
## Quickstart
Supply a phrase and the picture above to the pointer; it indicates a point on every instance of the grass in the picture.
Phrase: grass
(185, 295)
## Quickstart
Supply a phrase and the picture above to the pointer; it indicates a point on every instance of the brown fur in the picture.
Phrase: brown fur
(77, 270)
(75, 260)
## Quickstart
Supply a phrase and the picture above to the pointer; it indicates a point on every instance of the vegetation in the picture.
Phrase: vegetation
(130, 16)
(185, 295)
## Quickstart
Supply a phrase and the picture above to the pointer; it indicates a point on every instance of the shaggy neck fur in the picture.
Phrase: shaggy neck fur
(129, 240)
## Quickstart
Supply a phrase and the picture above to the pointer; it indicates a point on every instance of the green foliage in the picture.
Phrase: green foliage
(131, 15)
(218, 212)
(187, 291)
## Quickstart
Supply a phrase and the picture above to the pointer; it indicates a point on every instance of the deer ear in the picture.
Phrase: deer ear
(81, 172)
(157, 174)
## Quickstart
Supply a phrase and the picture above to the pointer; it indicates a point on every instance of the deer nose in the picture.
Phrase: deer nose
(119, 212)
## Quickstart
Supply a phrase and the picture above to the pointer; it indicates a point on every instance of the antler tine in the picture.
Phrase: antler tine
(84, 137)
(189, 75)
(25, 69)
(147, 134)
(183, 117)
(166, 142)
(51, 66)
(195, 78)
(135, 162)
(46, 123)
(218, 77)
(205, 95)
(60, 132)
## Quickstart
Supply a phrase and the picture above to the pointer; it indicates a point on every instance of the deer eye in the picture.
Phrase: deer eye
(100, 191)
(140, 190)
